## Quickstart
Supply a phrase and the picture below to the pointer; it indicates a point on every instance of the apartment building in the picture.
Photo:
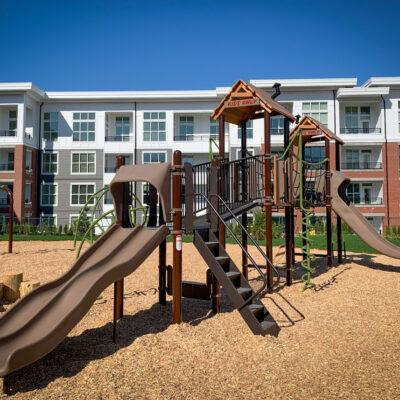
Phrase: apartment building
(57, 148)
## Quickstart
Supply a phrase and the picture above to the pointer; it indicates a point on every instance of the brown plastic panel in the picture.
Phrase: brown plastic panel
(355, 220)
(158, 175)
(38, 322)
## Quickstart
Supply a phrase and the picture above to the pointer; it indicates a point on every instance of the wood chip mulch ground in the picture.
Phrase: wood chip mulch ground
(339, 341)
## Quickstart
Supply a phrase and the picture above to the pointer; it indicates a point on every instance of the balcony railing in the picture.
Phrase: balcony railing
(119, 138)
(361, 165)
(195, 137)
(8, 132)
(360, 131)
(276, 131)
(7, 167)
(110, 169)
(377, 201)
(4, 201)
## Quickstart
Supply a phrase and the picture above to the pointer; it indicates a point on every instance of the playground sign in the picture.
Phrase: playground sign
(242, 103)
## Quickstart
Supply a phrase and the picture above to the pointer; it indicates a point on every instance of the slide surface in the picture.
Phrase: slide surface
(355, 220)
(38, 322)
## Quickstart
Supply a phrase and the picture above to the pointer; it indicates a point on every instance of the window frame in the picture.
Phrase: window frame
(80, 184)
(87, 153)
(48, 215)
(50, 121)
(248, 129)
(81, 121)
(55, 194)
(154, 152)
(41, 169)
(319, 111)
(157, 120)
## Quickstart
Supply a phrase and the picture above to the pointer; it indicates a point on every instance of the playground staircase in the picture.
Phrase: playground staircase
(235, 284)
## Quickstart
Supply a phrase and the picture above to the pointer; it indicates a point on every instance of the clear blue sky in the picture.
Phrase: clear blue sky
(150, 45)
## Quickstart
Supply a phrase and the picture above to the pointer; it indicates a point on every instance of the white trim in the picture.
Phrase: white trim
(41, 167)
(152, 152)
(83, 152)
(379, 80)
(41, 194)
(306, 83)
(362, 92)
(79, 183)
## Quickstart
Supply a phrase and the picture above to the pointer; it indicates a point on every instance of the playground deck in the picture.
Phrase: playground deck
(340, 341)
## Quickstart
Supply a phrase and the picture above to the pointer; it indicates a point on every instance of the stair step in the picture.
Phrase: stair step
(223, 261)
(245, 292)
(212, 245)
(269, 326)
(258, 310)
(234, 276)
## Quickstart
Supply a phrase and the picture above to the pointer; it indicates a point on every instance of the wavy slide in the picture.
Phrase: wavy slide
(355, 220)
(37, 323)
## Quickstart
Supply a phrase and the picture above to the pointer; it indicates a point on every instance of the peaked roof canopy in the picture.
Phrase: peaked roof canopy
(313, 129)
(244, 100)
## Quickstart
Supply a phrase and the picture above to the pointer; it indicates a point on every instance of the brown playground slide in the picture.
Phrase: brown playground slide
(355, 220)
(37, 323)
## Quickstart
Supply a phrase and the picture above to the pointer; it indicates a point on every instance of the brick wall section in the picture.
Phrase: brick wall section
(19, 181)
(391, 185)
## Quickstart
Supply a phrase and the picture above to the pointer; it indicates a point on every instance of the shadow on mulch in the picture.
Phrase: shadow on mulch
(76, 352)
(369, 261)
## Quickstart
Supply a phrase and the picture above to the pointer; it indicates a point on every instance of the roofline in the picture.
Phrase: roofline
(306, 83)
(362, 92)
(382, 81)
(27, 87)
(133, 95)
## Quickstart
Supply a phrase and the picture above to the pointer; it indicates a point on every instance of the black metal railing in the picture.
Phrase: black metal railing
(356, 200)
(6, 132)
(360, 130)
(119, 138)
(201, 182)
(4, 201)
(195, 137)
(7, 166)
(361, 165)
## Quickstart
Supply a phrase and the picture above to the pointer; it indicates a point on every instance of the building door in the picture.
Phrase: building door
(367, 194)
(366, 159)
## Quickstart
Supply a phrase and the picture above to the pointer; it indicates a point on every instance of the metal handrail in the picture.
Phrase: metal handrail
(256, 294)
(251, 238)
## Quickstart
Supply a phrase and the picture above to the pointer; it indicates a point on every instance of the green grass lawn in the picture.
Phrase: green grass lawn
(352, 242)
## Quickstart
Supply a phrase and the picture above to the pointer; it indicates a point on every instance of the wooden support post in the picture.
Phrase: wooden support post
(243, 153)
(303, 225)
(162, 264)
(339, 237)
(288, 207)
(6, 385)
(177, 238)
(328, 205)
(119, 285)
(11, 220)
(221, 137)
(268, 196)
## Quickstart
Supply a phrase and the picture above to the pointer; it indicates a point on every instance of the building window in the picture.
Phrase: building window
(154, 157)
(357, 119)
(50, 163)
(154, 126)
(83, 163)
(214, 128)
(352, 158)
(84, 127)
(110, 162)
(186, 127)
(249, 130)
(277, 125)
(314, 154)
(48, 220)
(50, 126)
(353, 193)
(122, 126)
(80, 193)
(399, 114)
(317, 110)
(49, 194)
(10, 162)
(108, 199)
(28, 193)
(12, 122)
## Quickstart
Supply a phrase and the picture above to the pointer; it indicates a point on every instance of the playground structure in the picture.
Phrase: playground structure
(201, 200)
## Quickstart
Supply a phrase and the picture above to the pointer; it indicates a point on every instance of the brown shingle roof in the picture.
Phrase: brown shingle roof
(244, 100)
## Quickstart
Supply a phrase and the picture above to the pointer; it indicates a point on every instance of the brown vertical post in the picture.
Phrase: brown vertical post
(339, 237)
(268, 195)
(288, 206)
(6, 385)
(162, 264)
(177, 238)
(119, 285)
(221, 140)
(243, 171)
(328, 205)
(11, 219)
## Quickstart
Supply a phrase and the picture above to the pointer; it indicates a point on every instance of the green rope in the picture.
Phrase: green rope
(306, 221)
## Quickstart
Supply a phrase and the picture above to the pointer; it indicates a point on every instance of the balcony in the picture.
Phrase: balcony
(119, 138)
(7, 167)
(360, 131)
(8, 133)
(195, 137)
(361, 165)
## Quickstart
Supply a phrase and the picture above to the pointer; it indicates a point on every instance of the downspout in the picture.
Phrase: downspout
(135, 153)
(386, 162)
(334, 111)
(39, 162)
